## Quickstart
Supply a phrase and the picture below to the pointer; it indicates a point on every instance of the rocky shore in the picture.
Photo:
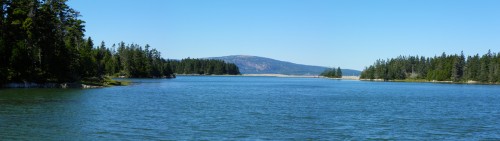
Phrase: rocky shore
(49, 85)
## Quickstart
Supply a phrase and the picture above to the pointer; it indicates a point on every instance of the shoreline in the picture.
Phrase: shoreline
(254, 75)
(430, 81)
(50, 85)
(281, 75)
(207, 75)
(74, 85)
(277, 75)
(108, 83)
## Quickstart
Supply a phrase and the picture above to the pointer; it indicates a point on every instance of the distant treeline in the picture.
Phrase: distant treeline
(203, 67)
(137, 62)
(128, 60)
(332, 73)
(43, 41)
(456, 68)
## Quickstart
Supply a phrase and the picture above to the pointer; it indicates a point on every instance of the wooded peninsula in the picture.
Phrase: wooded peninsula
(452, 68)
(43, 41)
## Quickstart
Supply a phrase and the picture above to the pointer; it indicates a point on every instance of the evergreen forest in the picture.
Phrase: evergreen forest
(332, 73)
(456, 68)
(203, 67)
(43, 41)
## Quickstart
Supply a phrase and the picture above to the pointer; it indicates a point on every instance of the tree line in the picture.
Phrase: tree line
(130, 60)
(43, 41)
(332, 73)
(456, 68)
(135, 61)
(203, 67)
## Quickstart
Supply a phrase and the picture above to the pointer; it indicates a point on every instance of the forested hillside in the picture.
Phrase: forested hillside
(456, 68)
(43, 41)
(262, 65)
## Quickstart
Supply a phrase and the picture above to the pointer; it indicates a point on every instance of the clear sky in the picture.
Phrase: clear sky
(346, 33)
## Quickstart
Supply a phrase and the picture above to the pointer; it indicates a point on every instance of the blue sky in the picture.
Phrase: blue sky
(346, 33)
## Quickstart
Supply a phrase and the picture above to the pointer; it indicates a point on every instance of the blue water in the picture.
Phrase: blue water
(253, 108)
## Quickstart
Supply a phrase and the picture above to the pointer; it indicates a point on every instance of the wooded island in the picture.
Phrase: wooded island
(332, 73)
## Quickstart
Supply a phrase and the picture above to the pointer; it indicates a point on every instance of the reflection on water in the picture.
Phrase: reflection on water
(253, 108)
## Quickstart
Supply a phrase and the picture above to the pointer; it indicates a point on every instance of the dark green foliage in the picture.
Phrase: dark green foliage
(134, 61)
(203, 67)
(368, 73)
(332, 73)
(457, 71)
(454, 68)
(43, 41)
(339, 72)
(39, 41)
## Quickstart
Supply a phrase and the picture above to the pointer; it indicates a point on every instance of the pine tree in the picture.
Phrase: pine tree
(458, 67)
(339, 73)
(485, 68)
(333, 73)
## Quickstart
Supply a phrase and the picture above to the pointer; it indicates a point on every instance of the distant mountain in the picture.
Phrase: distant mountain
(262, 65)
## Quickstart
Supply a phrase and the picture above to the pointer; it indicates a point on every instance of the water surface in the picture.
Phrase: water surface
(253, 108)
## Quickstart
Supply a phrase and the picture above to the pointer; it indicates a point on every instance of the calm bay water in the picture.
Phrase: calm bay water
(253, 108)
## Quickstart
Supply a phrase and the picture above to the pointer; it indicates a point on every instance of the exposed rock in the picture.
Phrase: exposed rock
(48, 85)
